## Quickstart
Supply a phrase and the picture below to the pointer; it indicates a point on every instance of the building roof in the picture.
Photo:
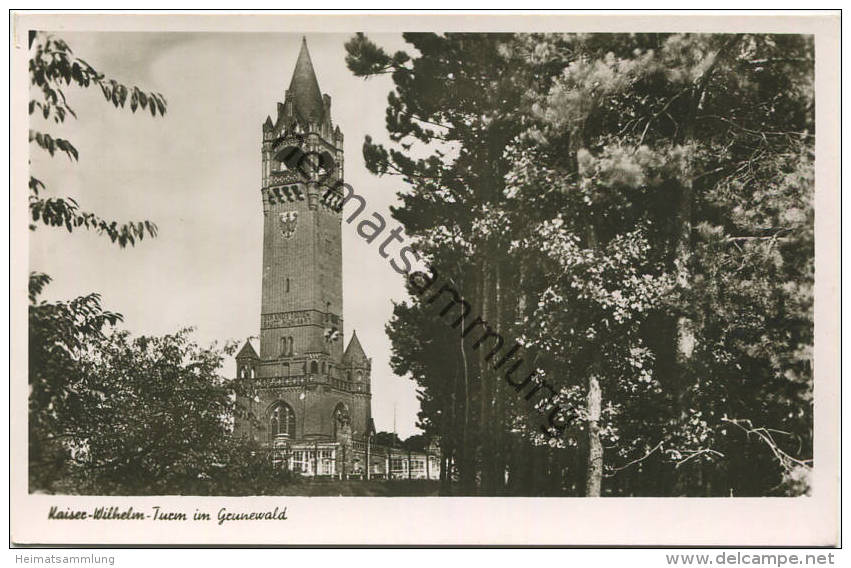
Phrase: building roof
(304, 88)
(354, 352)
(247, 352)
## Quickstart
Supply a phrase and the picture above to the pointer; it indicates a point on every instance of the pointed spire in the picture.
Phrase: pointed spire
(354, 352)
(247, 352)
(304, 88)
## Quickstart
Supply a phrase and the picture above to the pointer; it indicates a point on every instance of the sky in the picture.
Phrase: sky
(196, 173)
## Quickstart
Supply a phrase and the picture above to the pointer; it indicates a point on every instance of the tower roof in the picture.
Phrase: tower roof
(354, 352)
(247, 352)
(304, 88)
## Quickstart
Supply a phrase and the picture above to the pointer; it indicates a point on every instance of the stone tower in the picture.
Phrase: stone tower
(305, 387)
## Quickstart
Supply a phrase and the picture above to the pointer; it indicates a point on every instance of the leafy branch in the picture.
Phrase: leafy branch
(52, 67)
(58, 212)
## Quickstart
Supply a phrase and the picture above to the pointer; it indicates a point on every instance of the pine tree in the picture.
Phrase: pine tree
(684, 163)
(637, 210)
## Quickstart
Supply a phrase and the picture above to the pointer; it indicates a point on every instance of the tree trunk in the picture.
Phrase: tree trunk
(684, 328)
(466, 456)
(499, 437)
(484, 435)
(444, 472)
(594, 477)
(594, 471)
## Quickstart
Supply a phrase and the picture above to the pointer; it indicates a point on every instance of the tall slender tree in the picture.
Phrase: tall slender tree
(455, 100)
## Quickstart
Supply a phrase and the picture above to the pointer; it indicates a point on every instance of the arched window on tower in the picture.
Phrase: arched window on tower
(288, 285)
(284, 346)
(314, 368)
(290, 351)
(281, 421)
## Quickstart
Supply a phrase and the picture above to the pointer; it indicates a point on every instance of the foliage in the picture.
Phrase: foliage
(113, 414)
(152, 410)
(416, 443)
(453, 111)
(387, 439)
(53, 68)
(58, 333)
(711, 136)
(636, 208)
